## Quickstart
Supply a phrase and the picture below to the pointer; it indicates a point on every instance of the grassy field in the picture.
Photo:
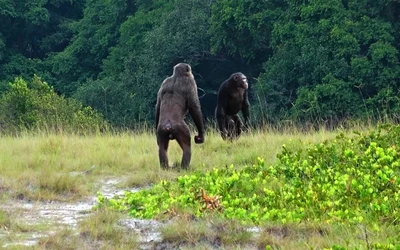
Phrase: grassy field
(37, 166)
(42, 167)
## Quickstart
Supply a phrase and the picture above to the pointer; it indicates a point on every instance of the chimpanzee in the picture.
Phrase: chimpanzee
(232, 98)
(176, 96)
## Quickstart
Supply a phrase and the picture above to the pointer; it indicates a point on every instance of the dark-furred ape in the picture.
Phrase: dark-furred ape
(178, 96)
(232, 98)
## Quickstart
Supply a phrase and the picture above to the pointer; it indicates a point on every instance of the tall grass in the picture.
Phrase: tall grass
(67, 167)
(47, 166)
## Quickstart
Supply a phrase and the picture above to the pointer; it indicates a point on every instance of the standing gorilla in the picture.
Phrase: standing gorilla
(177, 96)
(232, 98)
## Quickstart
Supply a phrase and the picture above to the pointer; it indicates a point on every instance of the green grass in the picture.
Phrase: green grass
(231, 234)
(39, 166)
(99, 231)
(52, 167)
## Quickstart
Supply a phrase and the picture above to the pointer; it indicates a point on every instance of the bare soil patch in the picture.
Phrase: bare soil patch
(41, 219)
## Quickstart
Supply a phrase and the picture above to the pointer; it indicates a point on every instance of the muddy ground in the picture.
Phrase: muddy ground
(55, 215)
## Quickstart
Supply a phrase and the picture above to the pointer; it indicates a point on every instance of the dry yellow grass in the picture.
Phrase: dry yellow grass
(44, 166)
(65, 167)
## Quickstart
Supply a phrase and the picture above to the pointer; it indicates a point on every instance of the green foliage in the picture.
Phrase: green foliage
(18, 65)
(320, 46)
(31, 30)
(377, 246)
(348, 180)
(332, 100)
(240, 27)
(35, 105)
(118, 101)
(170, 33)
(113, 55)
(5, 220)
(95, 34)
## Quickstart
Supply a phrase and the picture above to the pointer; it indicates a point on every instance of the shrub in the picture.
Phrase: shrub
(34, 105)
(347, 180)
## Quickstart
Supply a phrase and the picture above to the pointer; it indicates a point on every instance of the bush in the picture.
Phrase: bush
(348, 180)
(34, 105)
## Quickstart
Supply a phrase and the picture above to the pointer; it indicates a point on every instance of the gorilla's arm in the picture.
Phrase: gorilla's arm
(195, 113)
(158, 104)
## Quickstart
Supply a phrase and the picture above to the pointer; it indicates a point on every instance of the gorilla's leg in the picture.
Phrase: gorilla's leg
(182, 135)
(163, 142)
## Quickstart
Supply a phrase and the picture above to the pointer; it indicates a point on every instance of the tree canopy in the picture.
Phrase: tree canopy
(309, 61)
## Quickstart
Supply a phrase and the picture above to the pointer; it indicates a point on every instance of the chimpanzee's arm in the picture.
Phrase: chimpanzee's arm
(246, 109)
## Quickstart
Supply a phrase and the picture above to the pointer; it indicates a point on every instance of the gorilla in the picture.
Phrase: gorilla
(176, 97)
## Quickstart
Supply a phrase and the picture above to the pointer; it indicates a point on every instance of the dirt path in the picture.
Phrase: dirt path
(55, 215)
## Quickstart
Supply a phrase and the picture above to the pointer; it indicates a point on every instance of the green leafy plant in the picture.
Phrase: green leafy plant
(35, 105)
(347, 180)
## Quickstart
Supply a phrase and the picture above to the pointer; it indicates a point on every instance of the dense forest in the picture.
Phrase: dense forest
(307, 61)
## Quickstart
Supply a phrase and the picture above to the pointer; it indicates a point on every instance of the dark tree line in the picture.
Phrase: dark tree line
(306, 61)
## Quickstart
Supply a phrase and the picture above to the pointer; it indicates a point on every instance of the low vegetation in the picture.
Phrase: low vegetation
(34, 105)
(99, 231)
(351, 180)
(268, 190)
